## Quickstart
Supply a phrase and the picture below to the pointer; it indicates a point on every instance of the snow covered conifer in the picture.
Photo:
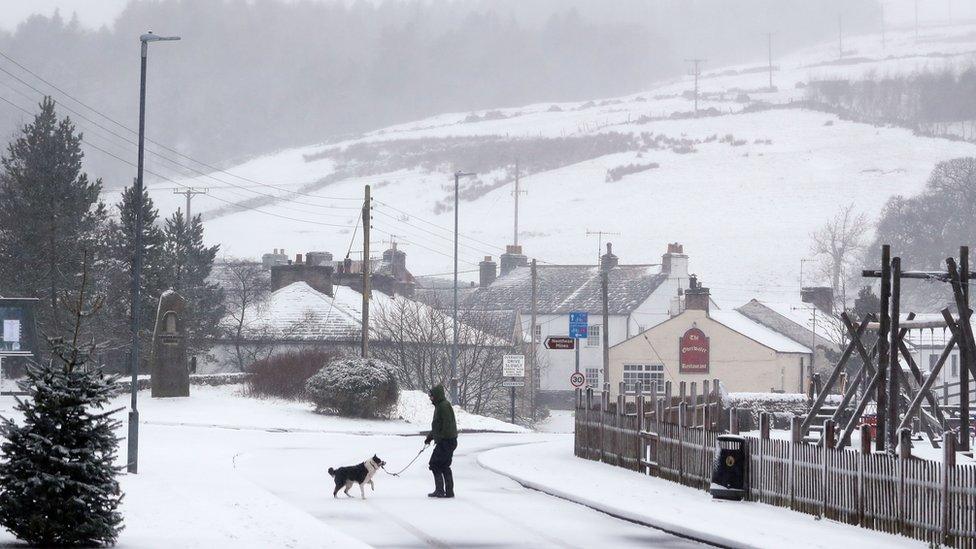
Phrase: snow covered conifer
(58, 481)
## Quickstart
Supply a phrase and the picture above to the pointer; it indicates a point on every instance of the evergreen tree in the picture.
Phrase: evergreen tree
(49, 210)
(58, 481)
(119, 258)
(188, 263)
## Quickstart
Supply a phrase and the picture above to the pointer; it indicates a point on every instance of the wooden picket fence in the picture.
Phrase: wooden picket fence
(674, 437)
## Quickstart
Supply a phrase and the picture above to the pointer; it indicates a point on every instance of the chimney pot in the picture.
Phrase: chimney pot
(487, 272)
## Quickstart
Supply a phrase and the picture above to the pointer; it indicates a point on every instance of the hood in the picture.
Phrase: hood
(438, 393)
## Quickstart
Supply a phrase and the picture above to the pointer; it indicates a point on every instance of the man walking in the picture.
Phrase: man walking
(443, 431)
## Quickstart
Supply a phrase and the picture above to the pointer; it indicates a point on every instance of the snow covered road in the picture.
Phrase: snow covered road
(490, 510)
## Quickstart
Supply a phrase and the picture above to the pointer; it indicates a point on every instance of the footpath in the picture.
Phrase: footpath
(551, 467)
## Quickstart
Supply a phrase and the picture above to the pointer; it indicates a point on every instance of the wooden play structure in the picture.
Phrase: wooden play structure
(903, 398)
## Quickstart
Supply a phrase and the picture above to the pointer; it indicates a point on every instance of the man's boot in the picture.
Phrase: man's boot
(438, 486)
(448, 484)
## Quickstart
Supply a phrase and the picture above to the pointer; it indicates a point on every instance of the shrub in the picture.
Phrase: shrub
(354, 387)
(284, 375)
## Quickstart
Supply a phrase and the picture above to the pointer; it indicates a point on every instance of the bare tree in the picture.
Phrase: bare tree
(417, 339)
(837, 244)
(246, 286)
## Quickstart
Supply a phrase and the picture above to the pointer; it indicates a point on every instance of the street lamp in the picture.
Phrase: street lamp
(454, 347)
(133, 455)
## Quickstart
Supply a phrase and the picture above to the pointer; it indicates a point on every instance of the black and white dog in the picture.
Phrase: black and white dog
(356, 474)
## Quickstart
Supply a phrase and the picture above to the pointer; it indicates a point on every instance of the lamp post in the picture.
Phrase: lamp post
(133, 455)
(454, 346)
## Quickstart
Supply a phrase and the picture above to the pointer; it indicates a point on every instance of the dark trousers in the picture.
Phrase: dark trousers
(440, 460)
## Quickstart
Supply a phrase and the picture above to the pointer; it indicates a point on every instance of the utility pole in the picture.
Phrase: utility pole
(605, 290)
(367, 221)
(454, 346)
(516, 193)
(769, 51)
(916, 20)
(600, 235)
(696, 72)
(840, 35)
(189, 193)
(535, 342)
(883, 43)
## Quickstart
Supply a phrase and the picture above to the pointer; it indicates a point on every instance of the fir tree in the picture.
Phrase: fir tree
(118, 262)
(48, 211)
(58, 481)
(189, 263)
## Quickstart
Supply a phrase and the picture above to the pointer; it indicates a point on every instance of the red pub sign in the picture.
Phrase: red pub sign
(693, 352)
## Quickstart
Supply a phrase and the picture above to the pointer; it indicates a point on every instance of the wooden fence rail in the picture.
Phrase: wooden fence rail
(674, 435)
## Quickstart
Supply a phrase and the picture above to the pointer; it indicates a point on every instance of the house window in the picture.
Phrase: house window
(593, 336)
(538, 332)
(932, 360)
(593, 377)
(955, 365)
(645, 373)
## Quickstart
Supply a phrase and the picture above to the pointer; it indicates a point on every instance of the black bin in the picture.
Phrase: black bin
(730, 470)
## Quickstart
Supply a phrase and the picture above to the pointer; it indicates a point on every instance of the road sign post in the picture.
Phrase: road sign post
(513, 366)
(579, 325)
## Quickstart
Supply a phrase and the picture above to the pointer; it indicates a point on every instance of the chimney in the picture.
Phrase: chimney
(674, 262)
(821, 297)
(512, 258)
(696, 296)
(488, 270)
(608, 260)
(318, 258)
(298, 259)
(397, 260)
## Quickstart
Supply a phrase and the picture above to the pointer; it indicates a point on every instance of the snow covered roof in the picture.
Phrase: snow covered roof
(299, 312)
(796, 321)
(565, 288)
(736, 321)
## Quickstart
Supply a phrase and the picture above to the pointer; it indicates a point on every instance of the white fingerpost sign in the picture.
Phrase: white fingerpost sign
(513, 366)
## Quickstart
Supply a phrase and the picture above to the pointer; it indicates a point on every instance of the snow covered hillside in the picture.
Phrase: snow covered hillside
(742, 187)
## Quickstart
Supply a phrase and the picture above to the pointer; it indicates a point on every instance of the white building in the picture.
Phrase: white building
(640, 296)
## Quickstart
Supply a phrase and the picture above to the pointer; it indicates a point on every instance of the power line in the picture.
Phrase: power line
(130, 163)
(158, 144)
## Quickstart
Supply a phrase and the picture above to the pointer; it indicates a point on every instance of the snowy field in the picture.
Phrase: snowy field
(743, 209)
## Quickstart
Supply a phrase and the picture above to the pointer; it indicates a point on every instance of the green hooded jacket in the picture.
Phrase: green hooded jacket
(444, 425)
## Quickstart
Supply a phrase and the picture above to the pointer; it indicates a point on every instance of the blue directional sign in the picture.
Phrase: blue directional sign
(578, 324)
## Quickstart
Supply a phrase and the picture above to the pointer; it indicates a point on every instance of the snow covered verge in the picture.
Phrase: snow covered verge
(415, 408)
(225, 406)
(552, 468)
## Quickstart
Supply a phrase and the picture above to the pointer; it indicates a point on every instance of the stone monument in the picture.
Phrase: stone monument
(170, 376)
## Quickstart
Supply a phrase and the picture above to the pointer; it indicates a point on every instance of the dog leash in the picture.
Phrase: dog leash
(409, 464)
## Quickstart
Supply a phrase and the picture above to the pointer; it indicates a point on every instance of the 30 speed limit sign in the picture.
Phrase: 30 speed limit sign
(577, 379)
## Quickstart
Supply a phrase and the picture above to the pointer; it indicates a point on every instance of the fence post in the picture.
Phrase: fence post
(948, 463)
(639, 426)
(763, 437)
(682, 412)
(604, 408)
(830, 440)
(666, 417)
(904, 456)
(734, 421)
(861, 458)
(618, 420)
(706, 413)
(796, 437)
(588, 427)
(693, 401)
